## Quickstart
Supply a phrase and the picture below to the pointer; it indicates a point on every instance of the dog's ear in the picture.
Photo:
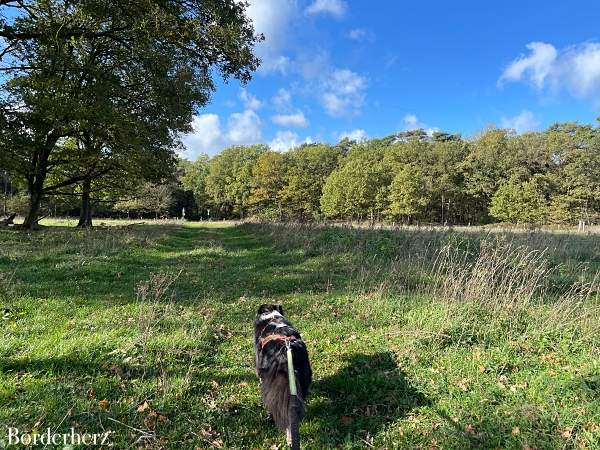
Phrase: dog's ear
(279, 308)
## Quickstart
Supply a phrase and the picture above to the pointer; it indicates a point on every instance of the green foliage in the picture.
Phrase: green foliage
(307, 169)
(194, 179)
(358, 189)
(148, 198)
(18, 203)
(268, 176)
(407, 195)
(516, 202)
(229, 181)
(123, 79)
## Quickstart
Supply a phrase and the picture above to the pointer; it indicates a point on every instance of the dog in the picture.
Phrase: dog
(273, 336)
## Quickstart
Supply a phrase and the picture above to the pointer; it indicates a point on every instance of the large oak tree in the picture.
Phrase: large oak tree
(113, 75)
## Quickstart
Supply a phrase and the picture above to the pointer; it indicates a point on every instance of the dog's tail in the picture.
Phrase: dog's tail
(286, 409)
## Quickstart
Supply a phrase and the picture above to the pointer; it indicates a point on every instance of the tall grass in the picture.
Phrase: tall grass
(533, 281)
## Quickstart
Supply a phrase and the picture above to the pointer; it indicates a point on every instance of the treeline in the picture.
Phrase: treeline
(550, 177)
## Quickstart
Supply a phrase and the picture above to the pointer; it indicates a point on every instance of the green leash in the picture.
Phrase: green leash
(294, 410)
(291, 373)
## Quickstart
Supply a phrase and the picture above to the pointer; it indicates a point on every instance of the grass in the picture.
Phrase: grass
(418, 338)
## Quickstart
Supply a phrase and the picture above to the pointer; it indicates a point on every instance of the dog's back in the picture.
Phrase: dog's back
(273, 334)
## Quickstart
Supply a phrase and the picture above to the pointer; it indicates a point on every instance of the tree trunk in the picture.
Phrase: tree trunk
(85, 211)
(35, 201)
(36, 179)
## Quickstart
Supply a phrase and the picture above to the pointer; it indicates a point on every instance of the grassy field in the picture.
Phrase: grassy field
(418, 338)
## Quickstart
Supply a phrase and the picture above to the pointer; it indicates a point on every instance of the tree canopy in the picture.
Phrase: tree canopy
(123, 79)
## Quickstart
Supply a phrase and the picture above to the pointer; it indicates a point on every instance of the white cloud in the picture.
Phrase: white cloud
(208, 136)
(272, 19)
(522, 122)
(575, 69)
(411, 122)
(538, 65)
(284, 140)
(336, 8)
(244, 128)
(291, 120)
(354, 135)
(283, 98)
(360, 34)
(344, 93)
(250, 101)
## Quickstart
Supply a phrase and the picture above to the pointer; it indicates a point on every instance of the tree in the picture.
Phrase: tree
(194, 179)
(307, 168)
(520, 202)
(229, 180)
(576, 156)
(407, 196)
(156, 199)
(358, 188)
(80, 67)
(268, 174)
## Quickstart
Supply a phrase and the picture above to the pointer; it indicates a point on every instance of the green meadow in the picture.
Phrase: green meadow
(419, 338)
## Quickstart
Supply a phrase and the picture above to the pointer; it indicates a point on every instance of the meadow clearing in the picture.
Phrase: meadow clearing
(419, 338)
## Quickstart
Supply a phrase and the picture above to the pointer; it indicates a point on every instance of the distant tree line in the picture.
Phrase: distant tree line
(550, 177)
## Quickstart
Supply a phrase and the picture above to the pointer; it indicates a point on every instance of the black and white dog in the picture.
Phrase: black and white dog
(273, 335)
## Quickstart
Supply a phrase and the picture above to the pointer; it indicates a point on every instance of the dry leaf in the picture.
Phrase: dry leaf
(103, 404)
(143, 407)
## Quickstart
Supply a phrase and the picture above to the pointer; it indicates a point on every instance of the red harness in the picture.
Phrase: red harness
(273, 338)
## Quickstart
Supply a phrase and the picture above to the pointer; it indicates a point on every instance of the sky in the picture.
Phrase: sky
(363, 69)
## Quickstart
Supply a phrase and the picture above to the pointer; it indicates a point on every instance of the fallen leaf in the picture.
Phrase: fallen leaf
(103, 404)
(551, 358)
(464, 384)
(567, 433)
(143, 407)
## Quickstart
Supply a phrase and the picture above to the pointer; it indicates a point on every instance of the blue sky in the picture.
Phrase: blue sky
(347, 67)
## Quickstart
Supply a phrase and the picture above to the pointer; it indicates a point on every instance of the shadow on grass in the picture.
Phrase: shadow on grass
(361, 399)
(221, 263)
